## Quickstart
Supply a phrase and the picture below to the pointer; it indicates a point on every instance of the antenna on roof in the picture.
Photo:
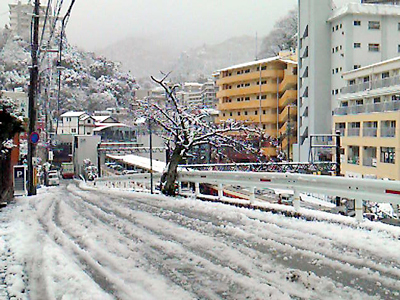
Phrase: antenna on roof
(256, 46)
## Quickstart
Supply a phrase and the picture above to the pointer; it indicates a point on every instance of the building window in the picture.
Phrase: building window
(357, 45)
(398, 48)
(388, 155)
(230, 114)
(356, 67)
(385, 75)
(373, 47)
(245, 113)
(398, 26)
(359, 102)
(333, 50)
(264, 112)
(357, 23)
(337, 70)
(73, 130)
(333, 29)
(388, 128)
(376, 25)
(337, 27)
(369, 156)
(377, 100)
(395, 97)
(333, 71)
(354, 129)
(256, 112)
(238, 113)
(353, 156)
(366, 79)
(336, 91)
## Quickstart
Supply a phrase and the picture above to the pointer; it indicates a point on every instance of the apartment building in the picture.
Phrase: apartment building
(369, 121)
(21, 18)
(333, 41)
(262, 94)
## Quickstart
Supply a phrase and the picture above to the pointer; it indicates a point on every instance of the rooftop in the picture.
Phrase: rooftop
(365, 9)
(258, 62)
(73, 114)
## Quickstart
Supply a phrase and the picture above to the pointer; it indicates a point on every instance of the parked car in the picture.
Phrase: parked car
(52, 178)
(129, 172)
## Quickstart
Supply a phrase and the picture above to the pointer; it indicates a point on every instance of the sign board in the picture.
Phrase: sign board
(51, 155)
(34, 137)
(20, 180)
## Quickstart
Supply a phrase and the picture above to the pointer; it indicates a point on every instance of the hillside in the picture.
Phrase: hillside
(145, 57)
(88, 82)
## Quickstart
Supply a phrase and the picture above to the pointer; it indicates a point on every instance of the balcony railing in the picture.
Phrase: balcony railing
(369, 162)
(353, 132)
(368, 108)
(388, 132)
(370, 132)
(376, 84)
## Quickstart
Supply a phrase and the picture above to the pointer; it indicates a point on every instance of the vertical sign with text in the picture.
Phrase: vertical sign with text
(20, 180)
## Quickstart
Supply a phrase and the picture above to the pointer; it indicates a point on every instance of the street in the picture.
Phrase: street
(76, 242)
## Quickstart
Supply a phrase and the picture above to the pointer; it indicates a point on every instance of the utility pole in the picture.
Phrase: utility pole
(34, 72)
(151, 155)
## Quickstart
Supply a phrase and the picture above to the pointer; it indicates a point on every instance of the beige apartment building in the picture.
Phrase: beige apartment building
(369, 120)
(262, 94)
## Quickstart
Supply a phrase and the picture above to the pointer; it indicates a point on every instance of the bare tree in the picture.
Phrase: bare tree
(186, 130)
(282, 37)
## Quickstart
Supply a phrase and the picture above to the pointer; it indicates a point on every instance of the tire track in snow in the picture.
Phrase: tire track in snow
(110, 211)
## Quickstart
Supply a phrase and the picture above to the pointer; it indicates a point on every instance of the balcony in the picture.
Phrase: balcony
(253, 104)
(288, 97)
(370, 132)
(353, 132)
(283, 116)
(254, 89)
(388, 131)
(289, 81)
(376, 84)
(250, 76)
(269, 118)
(368, 108)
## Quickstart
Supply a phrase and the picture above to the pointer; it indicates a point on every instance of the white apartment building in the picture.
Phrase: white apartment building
(334, 41)
(21, 17)
(314, 109)
(209, 95)
(74, 123)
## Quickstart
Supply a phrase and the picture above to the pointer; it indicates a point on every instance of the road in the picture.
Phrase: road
(82, 243)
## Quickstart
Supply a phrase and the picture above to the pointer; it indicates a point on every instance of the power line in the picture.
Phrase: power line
(44, 23)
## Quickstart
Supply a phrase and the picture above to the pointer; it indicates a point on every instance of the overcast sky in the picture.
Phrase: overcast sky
(94, 24)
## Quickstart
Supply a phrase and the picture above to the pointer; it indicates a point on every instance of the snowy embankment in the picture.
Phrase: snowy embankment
(76, 242)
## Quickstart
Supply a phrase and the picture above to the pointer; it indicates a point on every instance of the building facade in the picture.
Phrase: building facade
(369, 121)
(21, 17)
(261, 94)
(336, 41)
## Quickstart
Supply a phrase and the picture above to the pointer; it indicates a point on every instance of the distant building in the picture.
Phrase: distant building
(262, 94)
(21, 18)
(369, 121)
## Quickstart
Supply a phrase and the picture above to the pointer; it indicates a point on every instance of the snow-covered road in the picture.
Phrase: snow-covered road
(74, 242)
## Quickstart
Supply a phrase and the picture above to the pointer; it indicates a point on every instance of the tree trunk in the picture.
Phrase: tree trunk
(169, 177)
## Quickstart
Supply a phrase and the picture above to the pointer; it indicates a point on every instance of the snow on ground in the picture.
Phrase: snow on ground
(77, 242)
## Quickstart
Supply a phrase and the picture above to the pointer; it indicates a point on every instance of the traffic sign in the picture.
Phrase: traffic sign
(20, 180)
(34, 137)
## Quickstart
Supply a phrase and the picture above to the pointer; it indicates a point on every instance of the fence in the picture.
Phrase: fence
(359, 189)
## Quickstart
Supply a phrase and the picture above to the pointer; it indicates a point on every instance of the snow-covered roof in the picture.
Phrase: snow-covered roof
(73, 114)
(257, 62)
(102, 126)
(210, 111)
(100, 119)
(365, 9)
(378, 64)
(86, 117)
(139, 161)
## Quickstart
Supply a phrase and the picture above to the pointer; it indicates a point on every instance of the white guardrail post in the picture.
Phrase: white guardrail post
(252, 194)
(296, 200)
(220, 191)
(358, 207)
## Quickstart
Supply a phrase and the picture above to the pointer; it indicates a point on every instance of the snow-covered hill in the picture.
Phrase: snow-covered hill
(88, 82)
(145, 57)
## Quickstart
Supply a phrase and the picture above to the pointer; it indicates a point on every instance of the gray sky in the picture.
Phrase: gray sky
(95, 24)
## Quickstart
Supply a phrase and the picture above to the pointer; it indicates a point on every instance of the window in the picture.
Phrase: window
(357, 45)
(356, 67)
(337, 48)
(385, 75)
(245, 113)
(395, 97)
(366, 79)
(333, 71)
(377, 100)
(238, 113)
(398, 48)
(359, 102)
(336, 91)
(247, 71)
(73, 130)
(230, 114)
(353, 155)
(333, 50)
(398, 26)
(256, 112)
(264, 111)
(388, 155)
(333, 29)
(337, 27)
(373, 47)
(388, 128)
(357, 23)
(337, 70)
(376, 25)
(223, 114)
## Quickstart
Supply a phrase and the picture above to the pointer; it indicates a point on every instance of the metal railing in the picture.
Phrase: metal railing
(388, 131)
(370, 131)
(375, 84)
(368, 108)
(353, 132)
(351, 188)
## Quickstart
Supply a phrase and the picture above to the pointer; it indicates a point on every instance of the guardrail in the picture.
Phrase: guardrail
(134, 181)
(352, 188)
